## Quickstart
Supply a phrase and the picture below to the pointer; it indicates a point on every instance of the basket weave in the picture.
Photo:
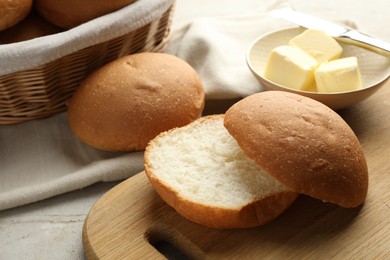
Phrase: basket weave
(45, 90)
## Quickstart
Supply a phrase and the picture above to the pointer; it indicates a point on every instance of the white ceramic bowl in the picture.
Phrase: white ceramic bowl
(374, 69)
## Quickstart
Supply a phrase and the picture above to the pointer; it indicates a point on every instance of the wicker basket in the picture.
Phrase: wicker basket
(45, 90)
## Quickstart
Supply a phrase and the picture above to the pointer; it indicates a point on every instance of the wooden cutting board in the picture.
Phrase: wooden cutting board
(132, 222)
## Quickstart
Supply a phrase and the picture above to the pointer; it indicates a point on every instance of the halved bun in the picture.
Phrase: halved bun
(302, 143)
(126, 103)
(200, 170)
(12, 12)
(71, 13)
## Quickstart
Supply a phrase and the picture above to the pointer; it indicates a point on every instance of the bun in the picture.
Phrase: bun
(302, 143)
(71, 13)
(126, 103)
(11, 12)
(201, 172)
(31, 27)
(245, 168)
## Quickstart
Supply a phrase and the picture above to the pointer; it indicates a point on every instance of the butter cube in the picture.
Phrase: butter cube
(318, 44)
(291, 67)
(338, 75)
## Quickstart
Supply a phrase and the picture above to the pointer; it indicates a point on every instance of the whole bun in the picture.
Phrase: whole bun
(31, 27)
(126, 103)
(71, 13)
(302, 143)
(12, 12)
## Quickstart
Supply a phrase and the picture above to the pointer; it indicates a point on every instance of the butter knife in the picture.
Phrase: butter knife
(339, 32)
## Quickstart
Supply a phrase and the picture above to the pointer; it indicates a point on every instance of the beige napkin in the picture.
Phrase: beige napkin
(216, 47)
(41, 159)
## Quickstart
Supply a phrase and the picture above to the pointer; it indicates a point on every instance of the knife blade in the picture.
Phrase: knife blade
(339, 32)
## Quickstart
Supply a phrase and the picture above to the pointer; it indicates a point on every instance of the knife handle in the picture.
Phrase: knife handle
(366, 41)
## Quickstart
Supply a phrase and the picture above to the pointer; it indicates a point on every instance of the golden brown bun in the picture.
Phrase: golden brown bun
(13, 11)
(201, 172)
(71, 13)
(31, 27)
(126, 103)
(302, 143)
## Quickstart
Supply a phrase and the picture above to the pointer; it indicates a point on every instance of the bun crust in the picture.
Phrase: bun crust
(71, 13)
(256, 213)
(12, 12)
(32, 26)
(186, 163)
(302, 143)
(126, 103)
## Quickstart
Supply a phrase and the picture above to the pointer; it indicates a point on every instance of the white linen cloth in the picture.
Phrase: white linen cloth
(42, 158)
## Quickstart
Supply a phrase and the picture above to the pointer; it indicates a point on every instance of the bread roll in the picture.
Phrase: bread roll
(71, 13)
(200, 170)
(12, 12)
(31, 27)
(302, 143)
(246, 168)
(126, 103)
